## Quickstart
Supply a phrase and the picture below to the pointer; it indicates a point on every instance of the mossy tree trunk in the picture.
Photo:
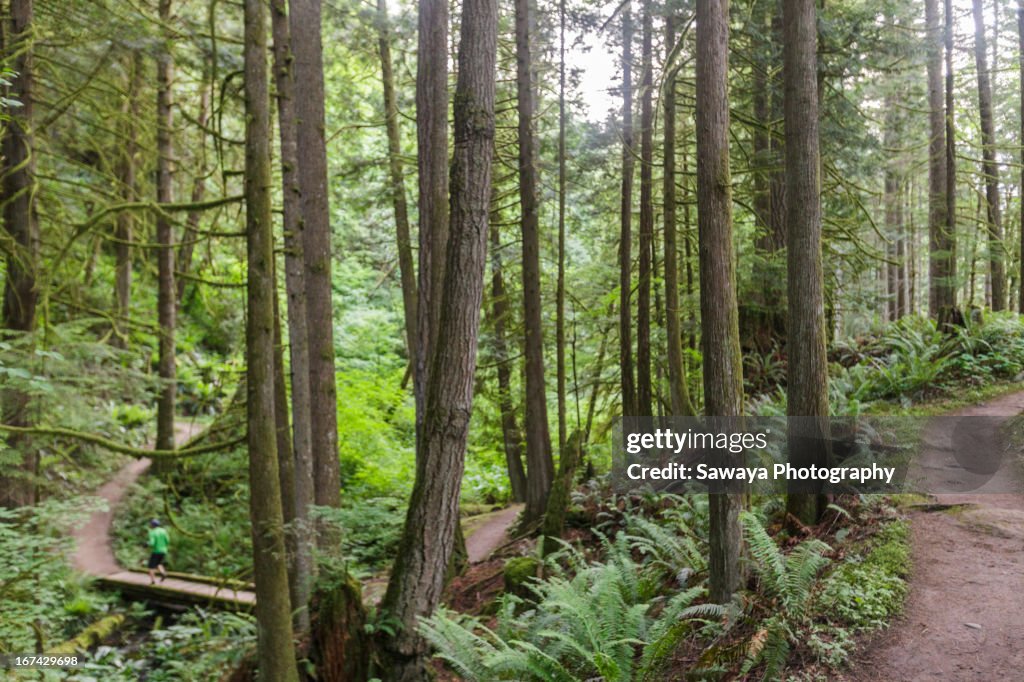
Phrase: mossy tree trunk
(720, 335)
(166, 290)
(808, 377)
(18, 189)
(629, 399)
(644, 388)
(428, 538)
(302, 567)
(276, 652)
(539, 463)
(678, 390)
(989, 165)
(314, 211)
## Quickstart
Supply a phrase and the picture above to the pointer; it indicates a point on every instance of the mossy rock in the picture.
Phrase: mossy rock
(518, 574)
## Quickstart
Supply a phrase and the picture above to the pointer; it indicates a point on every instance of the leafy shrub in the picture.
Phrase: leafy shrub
(866, 591)
(41, 600)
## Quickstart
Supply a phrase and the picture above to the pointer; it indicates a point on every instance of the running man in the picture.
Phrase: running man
(159, 541)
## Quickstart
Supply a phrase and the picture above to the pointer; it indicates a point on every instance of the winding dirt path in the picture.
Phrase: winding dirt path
(94, 552)
(489, 532)
(964, 617)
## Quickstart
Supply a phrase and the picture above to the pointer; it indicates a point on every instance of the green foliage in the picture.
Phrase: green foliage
(787, 583)
(200, 646)
(910, 361)
(586, 620)
(205, 505)
(376, 433)
(868, 588)
(42, 601)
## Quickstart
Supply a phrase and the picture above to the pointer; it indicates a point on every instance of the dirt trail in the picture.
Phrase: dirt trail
(964, 618)
(484, 534)
(489, 533)
(94, 553)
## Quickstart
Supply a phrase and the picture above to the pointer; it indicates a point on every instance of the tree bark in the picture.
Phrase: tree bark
(275, 651)
(539, 464)
(124, 227)
(808, 377)
(406, 268)
(893, 214)
(188, 241)
(939, 288)
(678, 390)
(512, 438)
(990, 169)
(166, 290)
(720, 337)
(286, 469)
(432, 160)
(1020, 43)
(18, 185)
(629, 397)
(314, 210)
(560, 372)
(947, 315)
(303, 567)
(762, 315)
(417, 579)
(645, 400)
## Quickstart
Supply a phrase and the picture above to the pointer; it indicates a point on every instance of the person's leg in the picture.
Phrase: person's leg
(163, 570)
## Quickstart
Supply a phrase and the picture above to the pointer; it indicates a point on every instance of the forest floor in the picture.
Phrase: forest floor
(963, 618)
(94, 553)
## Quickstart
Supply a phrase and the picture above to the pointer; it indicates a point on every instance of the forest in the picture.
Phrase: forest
(322, 324)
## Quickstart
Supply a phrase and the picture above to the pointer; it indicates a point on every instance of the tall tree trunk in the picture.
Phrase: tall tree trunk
(124, 227)
(427, 542)
(539, 464)
(275, 651)
(512, 438)
(691, 317)
(893, 214)
(939, 288)
(990, 169)
(303, 567)
(188, 241)
(432, 159)
(406, 268)
(947, 307)
(166, 307)
(18, 187)
(560, 284)
(643, 295)
(720, 337)
(286, 468)
(807, 394)
(1020, 43)
(901, 254)
(678, 390)
(314, 211)
(629, 398)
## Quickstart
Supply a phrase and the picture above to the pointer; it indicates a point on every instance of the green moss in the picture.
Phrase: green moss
(518, 574)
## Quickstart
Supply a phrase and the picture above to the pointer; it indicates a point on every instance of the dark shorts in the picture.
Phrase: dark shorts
(155, 559)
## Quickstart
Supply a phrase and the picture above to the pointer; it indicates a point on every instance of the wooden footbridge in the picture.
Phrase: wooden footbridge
(94, 556)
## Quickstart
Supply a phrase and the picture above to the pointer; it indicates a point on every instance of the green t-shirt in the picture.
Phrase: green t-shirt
(158, 540)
